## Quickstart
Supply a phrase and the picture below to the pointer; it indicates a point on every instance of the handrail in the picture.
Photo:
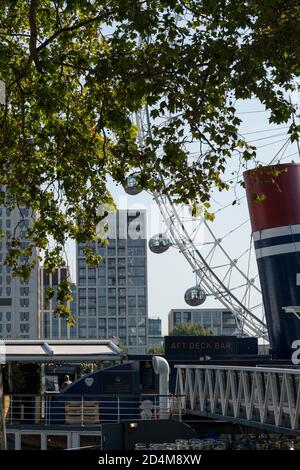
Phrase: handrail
(266, 397)
(241, 368)
(83, 410)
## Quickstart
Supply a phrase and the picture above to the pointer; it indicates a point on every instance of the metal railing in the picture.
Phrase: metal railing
(266, 397)
(88, 410)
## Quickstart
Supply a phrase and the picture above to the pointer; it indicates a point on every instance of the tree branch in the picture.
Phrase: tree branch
(33, 35)
(67, 29)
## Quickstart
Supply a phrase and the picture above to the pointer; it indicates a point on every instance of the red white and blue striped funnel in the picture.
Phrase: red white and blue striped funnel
(273, 195)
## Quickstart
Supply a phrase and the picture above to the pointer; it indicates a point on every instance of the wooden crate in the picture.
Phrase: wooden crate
(75, 415)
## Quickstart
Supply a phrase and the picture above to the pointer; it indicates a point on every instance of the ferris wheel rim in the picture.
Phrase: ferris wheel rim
(250, 321)
(261, 332)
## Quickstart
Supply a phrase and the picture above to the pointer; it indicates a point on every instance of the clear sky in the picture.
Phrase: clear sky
(169, 274)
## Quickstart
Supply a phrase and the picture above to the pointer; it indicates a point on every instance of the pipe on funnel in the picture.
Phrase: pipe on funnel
(162, 369)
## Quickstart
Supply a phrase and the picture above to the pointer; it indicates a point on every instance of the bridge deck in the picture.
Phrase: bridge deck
(263, 397)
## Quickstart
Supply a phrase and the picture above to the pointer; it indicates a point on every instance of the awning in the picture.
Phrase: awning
(49, 351)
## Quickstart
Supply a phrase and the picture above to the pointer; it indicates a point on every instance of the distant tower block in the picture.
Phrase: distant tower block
(273, 195)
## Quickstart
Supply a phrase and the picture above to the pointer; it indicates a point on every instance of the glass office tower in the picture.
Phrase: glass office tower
(112, 298)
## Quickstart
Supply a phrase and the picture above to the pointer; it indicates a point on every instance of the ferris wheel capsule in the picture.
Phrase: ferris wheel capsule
(195, 296)
(132, 185)
(159, 243)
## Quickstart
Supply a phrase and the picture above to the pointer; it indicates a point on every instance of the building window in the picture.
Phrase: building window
(136, 261)
(112, 332)
(186, 317)
(141, 301)
(102, 332)
(112, 293)
(102, 272)
(24, 302)
(24, 291)
(136, 281)
(92, 332)
(121, 262)
(24, 316)
(24, 223)
(24, 211)
(121, 272)
(136, 271)
(111, 302)
(24, 328)
(91, 302)
(111, 262)
(47, 325)
(82, 332)
(206, 318)
(136, 251)
(81, 293)
(131, 301)
(82, 311)
(132, 321)
(131, 340)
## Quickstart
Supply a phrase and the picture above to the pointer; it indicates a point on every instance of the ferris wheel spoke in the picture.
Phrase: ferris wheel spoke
(220, 276)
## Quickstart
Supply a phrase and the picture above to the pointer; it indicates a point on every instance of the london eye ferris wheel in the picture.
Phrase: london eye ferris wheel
(221, 253)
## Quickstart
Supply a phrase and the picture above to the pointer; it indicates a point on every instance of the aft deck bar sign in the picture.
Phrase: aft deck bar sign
(200, 345)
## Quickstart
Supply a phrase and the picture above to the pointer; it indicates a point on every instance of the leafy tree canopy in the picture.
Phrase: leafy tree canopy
(76, 71)
(156, 350)
(191, 329)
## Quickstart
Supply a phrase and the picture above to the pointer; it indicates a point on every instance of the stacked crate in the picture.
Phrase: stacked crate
(86, 412)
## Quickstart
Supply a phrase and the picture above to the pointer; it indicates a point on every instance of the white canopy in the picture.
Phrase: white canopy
(58, 351)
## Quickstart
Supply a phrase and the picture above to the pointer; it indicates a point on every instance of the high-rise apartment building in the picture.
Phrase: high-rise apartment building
(112, 298)
(19, 300)
(51, 325)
